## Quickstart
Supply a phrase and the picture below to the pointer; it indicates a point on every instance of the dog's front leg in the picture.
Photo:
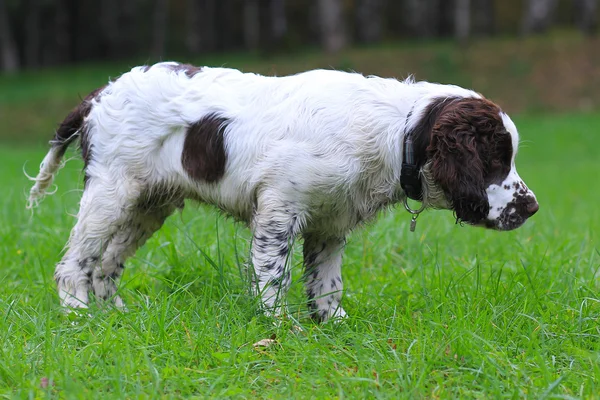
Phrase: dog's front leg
(274, 226)
(323, 275)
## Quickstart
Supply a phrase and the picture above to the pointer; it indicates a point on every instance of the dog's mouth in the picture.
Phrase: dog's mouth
(506, 222)
(502, 225)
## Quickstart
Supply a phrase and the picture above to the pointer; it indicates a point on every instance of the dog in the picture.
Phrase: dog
(312, 155)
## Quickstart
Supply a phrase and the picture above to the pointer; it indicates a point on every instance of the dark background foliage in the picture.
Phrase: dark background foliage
(38, 33)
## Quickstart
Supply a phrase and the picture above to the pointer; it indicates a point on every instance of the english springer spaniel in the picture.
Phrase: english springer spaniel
(313, 155)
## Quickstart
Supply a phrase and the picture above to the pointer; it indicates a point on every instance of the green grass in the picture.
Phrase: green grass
(446, 312)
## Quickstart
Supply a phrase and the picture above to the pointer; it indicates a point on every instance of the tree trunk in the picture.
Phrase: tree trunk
(423, 17)
(159, 28)
(538, 15)
(210, 26)
(252, 24)
(201, 28)
(62, 37)
(369, 21)
(129, 20)
(9, 59)
(109, 22)
(32, 34)
(586, 12)
(332, 25)
(462, 19)
(483, 17)
(278, 21)
(193, 20)
(272, 25)
(226, 24)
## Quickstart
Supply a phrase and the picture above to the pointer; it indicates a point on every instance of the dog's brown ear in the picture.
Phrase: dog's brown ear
(457, 166)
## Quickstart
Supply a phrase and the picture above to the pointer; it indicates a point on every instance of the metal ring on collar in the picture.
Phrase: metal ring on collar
(412, 211)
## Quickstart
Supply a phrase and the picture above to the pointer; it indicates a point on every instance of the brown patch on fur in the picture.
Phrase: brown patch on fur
(73, 123)
(421, 132)
(74, 120)
(470, 149)
(189, 70)
(203, 156)
(84, 141)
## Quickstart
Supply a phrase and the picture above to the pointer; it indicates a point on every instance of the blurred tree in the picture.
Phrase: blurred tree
(484, 16)
(252, 24)
(193, 39)
(129, 28)
(49, 32)
(109, 22)
(209, 24)
(423, 17)
(538, 15)
(58, 50)
(272, 21)
(586, 15)
(369, 21)
(226, 23)
(332, 25)
(279, 25)
(32, 37)
(201, 28)
(462, 19)
(159, 28)
(9, 59)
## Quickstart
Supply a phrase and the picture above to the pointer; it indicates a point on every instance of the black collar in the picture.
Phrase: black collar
(410, 178)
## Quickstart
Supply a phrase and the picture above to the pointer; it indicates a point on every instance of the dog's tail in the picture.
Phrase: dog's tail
(67, 132)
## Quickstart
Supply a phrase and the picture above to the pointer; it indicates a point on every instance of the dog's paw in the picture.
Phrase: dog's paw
(73, 301)
(336, 315)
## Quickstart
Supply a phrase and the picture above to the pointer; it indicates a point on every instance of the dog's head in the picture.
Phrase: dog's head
(470, 154)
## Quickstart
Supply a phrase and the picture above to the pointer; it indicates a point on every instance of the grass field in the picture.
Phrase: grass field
(445, 312)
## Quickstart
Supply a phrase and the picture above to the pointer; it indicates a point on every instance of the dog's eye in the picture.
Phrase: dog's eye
(496, 163)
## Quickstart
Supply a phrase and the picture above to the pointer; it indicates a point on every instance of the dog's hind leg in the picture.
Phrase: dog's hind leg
(132, 234)
(105, 205)
(323, 275)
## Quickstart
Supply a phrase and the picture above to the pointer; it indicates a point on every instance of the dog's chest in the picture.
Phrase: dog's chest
(339, 216)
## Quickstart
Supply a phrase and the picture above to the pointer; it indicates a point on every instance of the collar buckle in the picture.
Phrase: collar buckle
(410, 181)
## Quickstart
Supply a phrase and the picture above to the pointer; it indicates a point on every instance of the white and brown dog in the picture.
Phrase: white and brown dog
(314, 154)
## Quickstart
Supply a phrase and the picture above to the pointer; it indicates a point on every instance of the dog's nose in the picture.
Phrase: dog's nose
(532, 207)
